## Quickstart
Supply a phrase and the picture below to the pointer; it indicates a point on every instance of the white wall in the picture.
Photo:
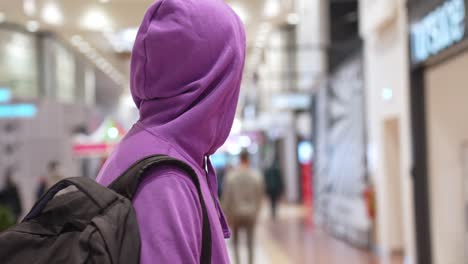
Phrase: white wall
(386, 70)
(447, 119)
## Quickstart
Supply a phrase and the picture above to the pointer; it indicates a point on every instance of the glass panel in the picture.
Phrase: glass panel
(18, 63)
(65, 73)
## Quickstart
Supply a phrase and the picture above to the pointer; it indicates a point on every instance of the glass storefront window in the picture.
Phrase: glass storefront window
(18, 63)
(64, 73)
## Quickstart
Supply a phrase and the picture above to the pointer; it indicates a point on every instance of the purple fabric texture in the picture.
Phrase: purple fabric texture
(186, 70)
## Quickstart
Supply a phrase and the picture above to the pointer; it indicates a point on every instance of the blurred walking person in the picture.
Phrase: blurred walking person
(9, 196)
(242, 199)
(274, 187)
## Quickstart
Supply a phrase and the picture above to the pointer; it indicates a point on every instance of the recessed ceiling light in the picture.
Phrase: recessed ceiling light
(51, 14)
(96, 20)
(272, 8)
(91, 53)
(104, 1)
(101, 62)
(76, 40)
(84, 47)
(29, 7)
(32, 26)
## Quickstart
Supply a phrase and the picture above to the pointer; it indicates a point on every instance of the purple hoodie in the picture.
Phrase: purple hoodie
(186, 70)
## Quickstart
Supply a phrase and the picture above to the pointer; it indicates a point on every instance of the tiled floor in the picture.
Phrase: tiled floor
(291, 240)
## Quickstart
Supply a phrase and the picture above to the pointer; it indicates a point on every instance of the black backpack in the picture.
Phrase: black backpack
(92, 225)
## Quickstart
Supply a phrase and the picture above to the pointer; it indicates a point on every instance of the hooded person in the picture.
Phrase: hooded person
(186, 69)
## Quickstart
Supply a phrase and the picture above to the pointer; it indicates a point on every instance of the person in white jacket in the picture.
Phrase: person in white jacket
(242, 199)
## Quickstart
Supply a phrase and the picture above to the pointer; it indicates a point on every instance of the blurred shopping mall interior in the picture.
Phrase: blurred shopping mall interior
(359, 103)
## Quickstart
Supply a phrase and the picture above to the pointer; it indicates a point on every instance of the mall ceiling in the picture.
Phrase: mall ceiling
(104, 30)
(107, 26)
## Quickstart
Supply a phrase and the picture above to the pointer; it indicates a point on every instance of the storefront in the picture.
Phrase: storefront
(384, 29)
(439, 109)
(341, 177)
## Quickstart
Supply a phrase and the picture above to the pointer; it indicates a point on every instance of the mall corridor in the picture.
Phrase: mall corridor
(292, 239)
(352, 114)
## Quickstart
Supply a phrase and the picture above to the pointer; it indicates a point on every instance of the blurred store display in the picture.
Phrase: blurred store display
(100, 142)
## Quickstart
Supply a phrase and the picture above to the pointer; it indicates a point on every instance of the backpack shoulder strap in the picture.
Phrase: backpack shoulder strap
(127, 185)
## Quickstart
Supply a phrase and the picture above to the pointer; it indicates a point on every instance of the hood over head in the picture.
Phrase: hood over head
(186, 71)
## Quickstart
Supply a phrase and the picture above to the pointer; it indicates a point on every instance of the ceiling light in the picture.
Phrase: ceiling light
(84, 47)
(107, 66)
(104, 1)
(123, 40)
(29, 7)
(293, 19)
(91, 54)
(272, 8)
(51, 14)
(2, 17)
(100, 63)
(32, 26)
(76, 40)
(96, 20)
